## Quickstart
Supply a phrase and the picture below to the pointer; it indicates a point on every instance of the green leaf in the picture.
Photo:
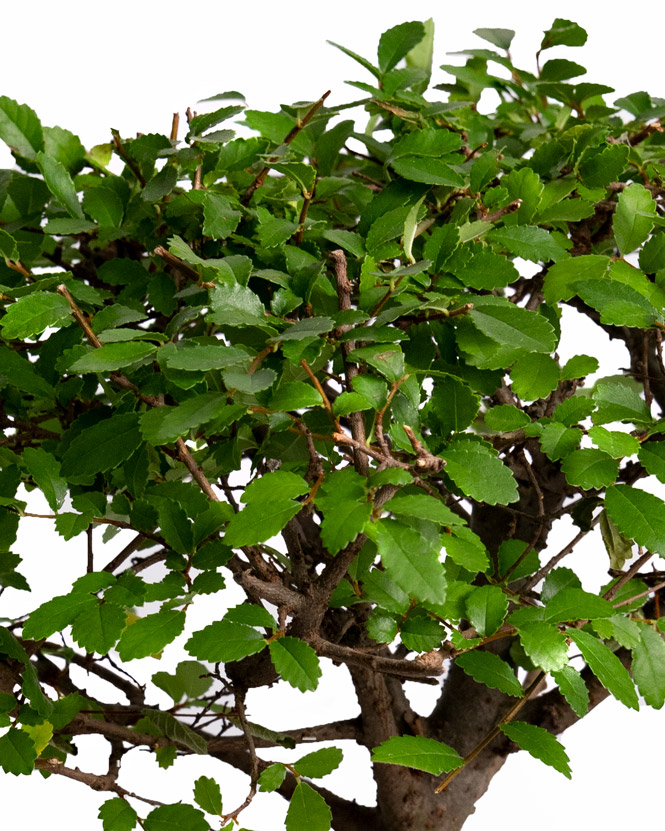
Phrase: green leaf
(498, 37)
(200, 123)
(102, 447)
(418, 752)
(590, 468)
(563, 33)
(571, 604)
(348, 240)
(618, 304)
(562, 278)
(512, 550)
(529, 242)
(270, 505)
(652, 456)
(104, 206)
(160, 185)
(561, 70)
(638, 515)
(17, 752)
(395, 43)
(45, 471)
(411, 560)
(20, 129)
(189, 679)
(296, 662)
(113, 356)
(429, 171)
(505, 323)
(225, 641)
(633, 218)
(149, 635)
(343, 499)
(176, 527)
(307, 809)
(422, 506)
(203, 358)
(309, 327)
(237, 306)
(486, 609)
(487, 270)
(302, 174)
(453, 405)
(220, 217)
(617, 444)
(162, 425)
(208, 795)
(65, 147)
(421, 633)
(477, 471)
(117, 815)
(534, 376)
(319, 763)
(606, 667)
(176, 731)
(98, 627)
(386, 358)
(70, 525)
(175, 818)
(574, 690)
(250, 614)
(275, 232)
(505, 418)
(618, 547)
(31, 314)
(487, 668)
(56, 614)
(272, 777)
(296, 395)
(382, 590)
(59, 182)
(616, 401)
(649, 667)
(558, 441)
(544, 645)
(539, 743)
(8, 247)
(466, 550)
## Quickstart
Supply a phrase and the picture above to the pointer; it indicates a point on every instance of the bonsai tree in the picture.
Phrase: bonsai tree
(320, 364)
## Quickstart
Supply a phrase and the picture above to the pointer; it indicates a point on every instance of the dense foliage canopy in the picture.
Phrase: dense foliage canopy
(320, 362)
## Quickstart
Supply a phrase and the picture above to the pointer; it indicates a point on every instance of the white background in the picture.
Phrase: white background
(129, 65)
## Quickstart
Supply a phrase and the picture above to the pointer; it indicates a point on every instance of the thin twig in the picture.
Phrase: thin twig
(493, 733)
(648, 591)
(183, 267)
(648, 395)
(81, 319)
(507, 209)
(545, 570)
(119, 148)
(91, 558)
(611, 593)
(183, 453)
(174, 126)
(126, 552)
(254, 762)
(368, 450)
(320, 390)
(344, 291)
(260, 179)
(378, 419)
(307, 198)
